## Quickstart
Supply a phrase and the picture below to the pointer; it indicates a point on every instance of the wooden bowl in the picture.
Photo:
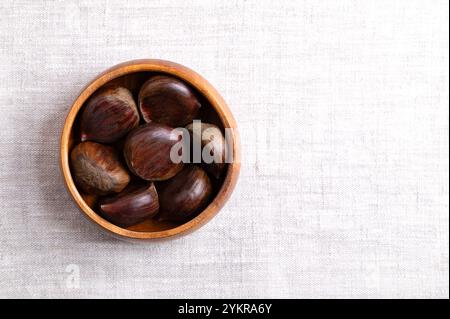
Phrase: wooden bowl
(132, 75)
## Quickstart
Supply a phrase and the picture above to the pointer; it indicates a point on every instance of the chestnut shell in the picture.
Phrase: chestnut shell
(212, 142)
(109, 115)
(97, 169)
(147, 152)
(131, 206)
(184, 195)
(167, 100)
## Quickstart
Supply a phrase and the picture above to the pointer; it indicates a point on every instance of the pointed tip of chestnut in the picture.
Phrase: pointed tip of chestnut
(84, 137)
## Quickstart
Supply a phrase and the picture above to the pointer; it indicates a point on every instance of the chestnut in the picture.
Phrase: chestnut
(167, 100)
(97, 170)
(147, 152)
(213, 146)
(184, 195)
(109, 115)
(131, 206)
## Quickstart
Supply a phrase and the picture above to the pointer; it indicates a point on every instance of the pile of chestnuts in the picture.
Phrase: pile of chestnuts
(123, 157)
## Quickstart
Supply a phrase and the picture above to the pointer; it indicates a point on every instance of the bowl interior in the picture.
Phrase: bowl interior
(133, 82)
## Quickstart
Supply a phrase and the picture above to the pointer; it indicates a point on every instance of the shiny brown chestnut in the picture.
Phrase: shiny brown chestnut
(109, 115)
(147, 152)
(213, 146)
(97, 170)
(131, 206)
(167, 100)
(184, 195)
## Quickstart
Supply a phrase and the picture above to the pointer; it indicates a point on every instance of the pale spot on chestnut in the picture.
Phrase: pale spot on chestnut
(97, 169)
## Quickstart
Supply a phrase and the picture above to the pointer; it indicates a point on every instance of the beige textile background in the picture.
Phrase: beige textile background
(343, 112)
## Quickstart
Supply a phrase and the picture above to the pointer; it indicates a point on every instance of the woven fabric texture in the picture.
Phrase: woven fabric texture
(343, 114)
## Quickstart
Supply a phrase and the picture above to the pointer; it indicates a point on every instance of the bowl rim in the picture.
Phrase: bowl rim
(213, 97)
